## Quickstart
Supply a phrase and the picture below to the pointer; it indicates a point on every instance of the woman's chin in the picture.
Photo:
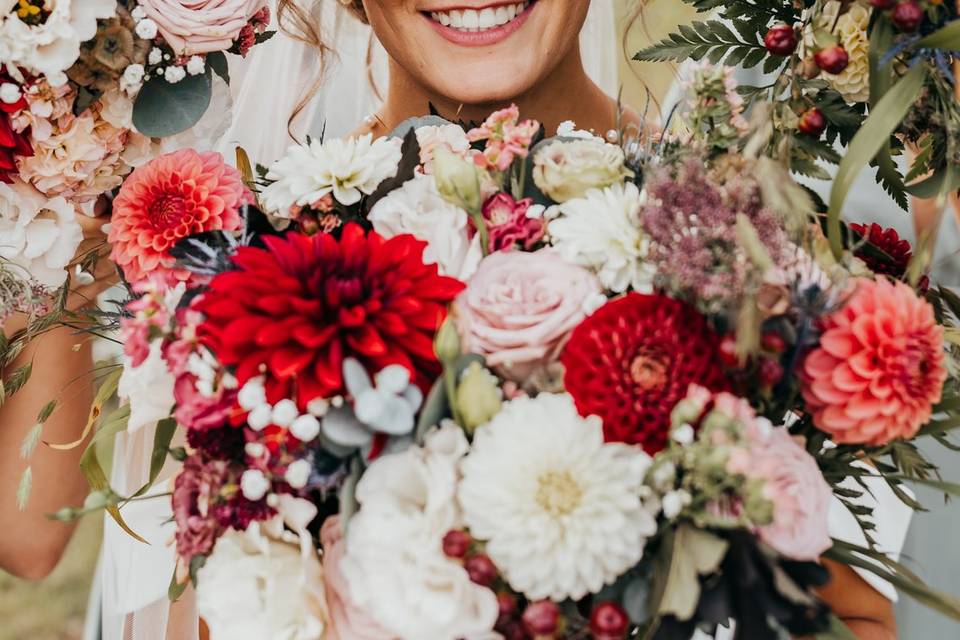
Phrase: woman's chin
(484, 84)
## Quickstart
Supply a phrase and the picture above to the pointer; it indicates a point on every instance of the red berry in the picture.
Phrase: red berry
(812, 122)
(770, 372)
(507, 605)
(513, 631)
(609, 622)
(542, 618)
(882, 4)
(773, 341)
(481, 569)
(780, 40)
(728, 352)
(456, 543)
(907, 16)
(832, 59)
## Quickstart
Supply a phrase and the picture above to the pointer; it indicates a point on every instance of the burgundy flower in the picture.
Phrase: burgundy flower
(898, 250)
(218, 443)
(634, 359)
(196, 494)
(508, 224)
(298, 307)
(12, 143)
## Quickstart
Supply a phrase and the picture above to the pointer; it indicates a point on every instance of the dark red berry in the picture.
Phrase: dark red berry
(481, 569)
(907, 16)
(542, 618)
(456, 543)
(513, 631)
(507, 605)
(770, 372)
(781, 40)
(882, 4)
(832, 59)
(773, 341)
(728, 352)
(609, 622)
(812, 122)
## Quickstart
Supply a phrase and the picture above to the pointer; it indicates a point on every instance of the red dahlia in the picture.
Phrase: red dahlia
(300, 306)
(633, 360)
(898, 250)
(12, 143)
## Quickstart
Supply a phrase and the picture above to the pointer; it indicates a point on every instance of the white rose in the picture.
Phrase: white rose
(38, 234)
(418, 208)
(567, 170)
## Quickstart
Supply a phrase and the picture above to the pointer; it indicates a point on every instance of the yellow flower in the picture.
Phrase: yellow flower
(851, 31)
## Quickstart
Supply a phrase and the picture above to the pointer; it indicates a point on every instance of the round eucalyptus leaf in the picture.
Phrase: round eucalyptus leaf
(163, 109)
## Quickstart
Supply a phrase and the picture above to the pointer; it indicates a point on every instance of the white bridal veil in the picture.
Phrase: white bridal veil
(134, 577)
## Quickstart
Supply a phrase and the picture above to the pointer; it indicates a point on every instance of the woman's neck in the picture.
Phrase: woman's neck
(567, 93)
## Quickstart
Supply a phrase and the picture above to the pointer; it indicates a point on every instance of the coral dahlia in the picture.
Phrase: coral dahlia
(880, 366)
(634, 359)
(173, 196)
(300, 306)
(898, 250)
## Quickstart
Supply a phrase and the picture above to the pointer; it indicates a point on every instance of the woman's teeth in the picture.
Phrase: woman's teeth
(479, 20)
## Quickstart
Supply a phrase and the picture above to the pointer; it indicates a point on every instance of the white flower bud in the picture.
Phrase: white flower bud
(10, 93)
(134, 73)
(155, 56)
(196, 65)
(147, 29)
(252, 394)
(254, 485)
(285, 412)
(305, 428)
(674, 502)
(174, 74)
(683, 434)
(298, 473)
(254, 449)
(318, 407)
(138, 13)
(259, 417)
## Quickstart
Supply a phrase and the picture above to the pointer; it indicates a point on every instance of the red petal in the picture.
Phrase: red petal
(313, 336)
(285, 363)
(367, 341)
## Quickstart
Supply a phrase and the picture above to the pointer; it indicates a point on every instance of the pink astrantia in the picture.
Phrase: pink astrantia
(508, 223)
(507, 138)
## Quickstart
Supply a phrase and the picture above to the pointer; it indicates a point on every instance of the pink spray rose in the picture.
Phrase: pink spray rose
(201, 26)
(519, 309)
(509, 225)
(507, 139)
(347, 620)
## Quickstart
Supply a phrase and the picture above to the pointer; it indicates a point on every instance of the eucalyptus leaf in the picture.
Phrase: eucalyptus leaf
(164, 109)
(435, 409)
(873, 135)
(218, 62)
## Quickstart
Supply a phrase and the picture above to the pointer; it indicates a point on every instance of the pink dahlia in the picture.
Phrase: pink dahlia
(173, 196)
(880, 366)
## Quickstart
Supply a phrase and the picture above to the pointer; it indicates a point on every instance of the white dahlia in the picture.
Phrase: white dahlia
(560, 510)
(347, 168)
(601, 231)
(49, 46)
(851, 29)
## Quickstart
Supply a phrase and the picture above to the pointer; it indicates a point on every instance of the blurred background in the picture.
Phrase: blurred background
(55, 608)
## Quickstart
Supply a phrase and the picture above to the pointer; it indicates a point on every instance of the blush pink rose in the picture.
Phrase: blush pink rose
(201, 26)
(347, 621)
(519, 309)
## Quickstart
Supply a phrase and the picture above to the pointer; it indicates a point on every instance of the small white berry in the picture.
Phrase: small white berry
(318, 407)
(285, 412)
(196, 65)
(305, 428)
(254, 484)
(155, 56)
(254, 449)
(252, 394)
(297, 474)
(174, 74)
(259, 417)
(10, 93)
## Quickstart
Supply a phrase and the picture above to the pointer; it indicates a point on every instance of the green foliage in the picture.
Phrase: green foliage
(163, 109)
(711, 40)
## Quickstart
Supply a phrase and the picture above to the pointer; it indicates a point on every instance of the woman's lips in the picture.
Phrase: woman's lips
(479, 27)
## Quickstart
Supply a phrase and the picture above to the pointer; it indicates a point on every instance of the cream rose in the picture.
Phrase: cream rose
(519, 308)
(567, 170)
(201, 26)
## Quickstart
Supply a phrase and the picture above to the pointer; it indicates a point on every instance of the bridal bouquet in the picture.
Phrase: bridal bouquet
(90, 90)
(470, 382)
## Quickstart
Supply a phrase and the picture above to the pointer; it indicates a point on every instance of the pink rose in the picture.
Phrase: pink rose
(800, 496)
(201, 26)
(519, 309)
(347, 621)
(508, 224)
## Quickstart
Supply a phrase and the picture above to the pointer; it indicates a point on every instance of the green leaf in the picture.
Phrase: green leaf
(46, 411)
(694, 552)
(871, 138)
(435, 409)
(947, 37)
(176, 589)
(218, 62)
(161, 447)
(163, 109)
(17, 379)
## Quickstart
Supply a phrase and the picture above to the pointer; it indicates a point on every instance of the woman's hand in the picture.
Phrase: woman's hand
(867, 613)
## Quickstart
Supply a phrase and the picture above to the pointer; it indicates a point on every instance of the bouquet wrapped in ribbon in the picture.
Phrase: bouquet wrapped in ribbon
(467, 381)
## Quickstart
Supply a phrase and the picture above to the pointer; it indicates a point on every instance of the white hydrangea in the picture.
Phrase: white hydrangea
(560, 510)
(602, 231)
(51, 47)
(347, 168)
(38, 234)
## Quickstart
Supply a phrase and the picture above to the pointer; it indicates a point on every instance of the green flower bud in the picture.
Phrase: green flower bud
(458, 181)
(479, 396)
(446, 344)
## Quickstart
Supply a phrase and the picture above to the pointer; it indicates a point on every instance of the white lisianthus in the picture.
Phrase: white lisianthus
(566, 170)
(418, 208)
(51, 46)
(255, 586)
(148, 388)
(602, 231)
(559, 509)
(348, 168)
(38, 234)
(402, 579)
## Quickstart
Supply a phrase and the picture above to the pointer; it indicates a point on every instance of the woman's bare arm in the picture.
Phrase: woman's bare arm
(862, 608)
